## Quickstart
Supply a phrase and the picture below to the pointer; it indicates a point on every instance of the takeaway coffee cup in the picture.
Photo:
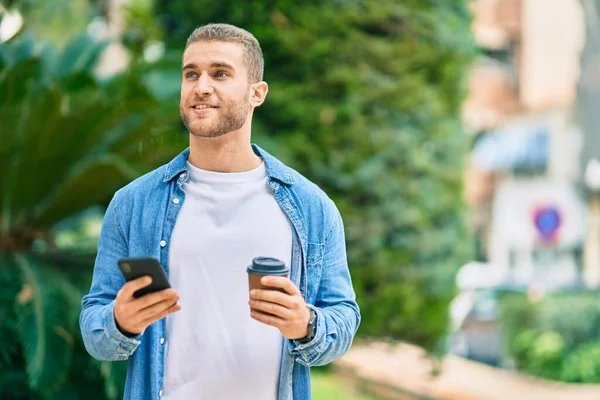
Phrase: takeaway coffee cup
(265, 266)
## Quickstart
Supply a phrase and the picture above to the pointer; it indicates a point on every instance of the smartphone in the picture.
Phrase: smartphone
(133, 268)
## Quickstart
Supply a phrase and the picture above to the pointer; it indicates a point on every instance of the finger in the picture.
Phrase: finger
(170, 310)
(272, 296)
(155, 309)
(280, 282)
(271, 308)
(150, 299)
(267, 319)
(131, 287)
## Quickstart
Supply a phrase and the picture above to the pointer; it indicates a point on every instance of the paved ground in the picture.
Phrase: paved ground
(404, 372)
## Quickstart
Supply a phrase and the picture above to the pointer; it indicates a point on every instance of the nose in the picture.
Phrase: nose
(203, 86)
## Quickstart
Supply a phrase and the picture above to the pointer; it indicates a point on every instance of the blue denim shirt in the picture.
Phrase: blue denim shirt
(139, 222)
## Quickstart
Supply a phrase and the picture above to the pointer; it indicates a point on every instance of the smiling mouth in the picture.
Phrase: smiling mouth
(203, 107)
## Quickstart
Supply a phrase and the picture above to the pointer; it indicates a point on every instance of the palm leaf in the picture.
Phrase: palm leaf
(80, 55)
(20, 131)
(46, 317)
(66, 130)
(20, 64)
(95, 179)
(10, 282)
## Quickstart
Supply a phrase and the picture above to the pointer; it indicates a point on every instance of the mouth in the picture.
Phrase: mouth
(203, 107)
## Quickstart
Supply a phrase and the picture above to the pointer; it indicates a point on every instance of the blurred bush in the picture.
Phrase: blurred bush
(558, 338)
(69, 141)
(364, 100)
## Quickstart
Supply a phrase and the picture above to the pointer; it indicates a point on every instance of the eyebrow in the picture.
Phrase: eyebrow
(217, 64)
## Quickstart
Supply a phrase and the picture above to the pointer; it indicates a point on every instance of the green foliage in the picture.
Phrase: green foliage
(582, 364)
(364, 100)
(540, 353)
(9, 278)
(576, 317)
(56, 21)
(555, 339)
(517, 315)
(69, 141)
(46, 316)
(73, 139)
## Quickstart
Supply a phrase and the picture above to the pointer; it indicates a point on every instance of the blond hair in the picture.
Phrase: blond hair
(253, 56)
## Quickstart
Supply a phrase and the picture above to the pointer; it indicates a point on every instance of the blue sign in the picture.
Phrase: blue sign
(547, 220)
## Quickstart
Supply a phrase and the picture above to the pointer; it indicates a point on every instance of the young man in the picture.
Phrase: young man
(205, 216)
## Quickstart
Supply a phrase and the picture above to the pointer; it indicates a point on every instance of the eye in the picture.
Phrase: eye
(222, 74)
(191, 75)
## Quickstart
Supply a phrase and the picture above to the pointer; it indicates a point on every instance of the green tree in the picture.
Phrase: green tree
(364, 100)
(69, 142)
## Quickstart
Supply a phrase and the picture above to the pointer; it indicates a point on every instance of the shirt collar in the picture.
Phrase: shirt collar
(275, 168)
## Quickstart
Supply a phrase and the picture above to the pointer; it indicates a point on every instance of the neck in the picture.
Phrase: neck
(231, 152)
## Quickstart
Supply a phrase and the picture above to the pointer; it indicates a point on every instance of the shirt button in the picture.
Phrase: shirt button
(175, 200)
(163, 243)
(160, 393)
(162, 340)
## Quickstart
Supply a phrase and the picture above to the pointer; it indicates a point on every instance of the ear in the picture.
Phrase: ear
(258, 93)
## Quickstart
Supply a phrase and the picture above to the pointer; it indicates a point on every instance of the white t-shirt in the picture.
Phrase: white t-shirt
(215, 350)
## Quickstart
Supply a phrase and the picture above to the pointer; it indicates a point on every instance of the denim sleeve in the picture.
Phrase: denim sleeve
(101, 337)
(338, 315)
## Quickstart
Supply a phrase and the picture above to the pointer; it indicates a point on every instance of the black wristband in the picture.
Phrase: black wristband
(312, 327)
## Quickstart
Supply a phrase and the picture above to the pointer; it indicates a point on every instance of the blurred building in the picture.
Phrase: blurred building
(522, 181)
(588, 106)
(531, 58)
(532, 181)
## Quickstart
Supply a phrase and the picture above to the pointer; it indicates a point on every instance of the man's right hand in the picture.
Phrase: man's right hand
(133, 315)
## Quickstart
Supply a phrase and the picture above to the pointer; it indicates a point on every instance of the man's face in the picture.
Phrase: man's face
(214, 89)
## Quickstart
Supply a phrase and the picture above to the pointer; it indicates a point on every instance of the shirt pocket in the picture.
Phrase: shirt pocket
(314, 267)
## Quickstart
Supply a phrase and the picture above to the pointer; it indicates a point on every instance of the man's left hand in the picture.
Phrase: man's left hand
(288, 310)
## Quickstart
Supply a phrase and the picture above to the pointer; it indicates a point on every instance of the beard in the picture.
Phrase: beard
(228, 117)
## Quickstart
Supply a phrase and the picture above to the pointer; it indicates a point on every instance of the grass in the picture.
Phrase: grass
(325, 386)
